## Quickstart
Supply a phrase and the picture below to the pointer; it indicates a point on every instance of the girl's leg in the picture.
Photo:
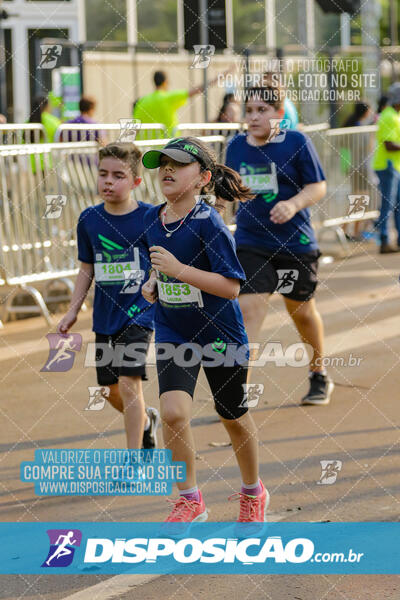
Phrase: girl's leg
(130, 389)
(176, 409)
(244, 437)
(310, 327)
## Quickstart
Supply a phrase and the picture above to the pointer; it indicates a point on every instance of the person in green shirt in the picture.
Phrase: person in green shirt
(162, 105)
(386, 163)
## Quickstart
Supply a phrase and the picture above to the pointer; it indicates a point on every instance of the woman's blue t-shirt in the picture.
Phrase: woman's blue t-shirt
(276, 171)
(116, 246)
(182, 315)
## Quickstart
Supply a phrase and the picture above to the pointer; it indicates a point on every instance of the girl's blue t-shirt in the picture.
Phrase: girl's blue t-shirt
(117, 248)
(184, 315)
(276, 171)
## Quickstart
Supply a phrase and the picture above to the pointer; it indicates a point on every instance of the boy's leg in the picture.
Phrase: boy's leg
(131, 392)
(310, 327)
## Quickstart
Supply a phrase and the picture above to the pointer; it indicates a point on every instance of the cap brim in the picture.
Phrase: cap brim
(152, 158)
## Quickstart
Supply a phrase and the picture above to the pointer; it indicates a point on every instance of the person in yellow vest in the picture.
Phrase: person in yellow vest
(386, 164)
(162, 105)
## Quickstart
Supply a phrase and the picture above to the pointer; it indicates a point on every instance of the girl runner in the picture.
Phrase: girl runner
(197, 280)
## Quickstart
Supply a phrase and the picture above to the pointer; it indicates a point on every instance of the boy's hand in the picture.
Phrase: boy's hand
(66, 322)
(149, 289)
(164, 261)
(283, 211)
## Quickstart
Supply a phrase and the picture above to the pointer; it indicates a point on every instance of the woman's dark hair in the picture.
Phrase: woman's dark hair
(360, 109)
(39, 103)
(226, 100)
(270, 94)
(228, 185)
(383, 101)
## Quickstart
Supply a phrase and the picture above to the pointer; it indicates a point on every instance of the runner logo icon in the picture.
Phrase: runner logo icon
(62, 351)
(62, 547)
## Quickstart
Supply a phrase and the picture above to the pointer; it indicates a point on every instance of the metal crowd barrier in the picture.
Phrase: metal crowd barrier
(105, 133)
(346, 155)
(43, 190)
(22, 133)
(44, 187)
(37, 247)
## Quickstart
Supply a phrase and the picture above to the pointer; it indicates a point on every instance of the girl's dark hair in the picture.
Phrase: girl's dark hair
(226, 100)
(225, 182)
(125, 151)
(360, 109)
(228, 185)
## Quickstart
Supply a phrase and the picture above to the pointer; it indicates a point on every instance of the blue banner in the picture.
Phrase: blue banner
(198, 548)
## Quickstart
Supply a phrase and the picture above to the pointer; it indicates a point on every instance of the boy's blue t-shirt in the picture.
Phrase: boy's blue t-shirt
(116, 246)
(276, 171)
(183, 313)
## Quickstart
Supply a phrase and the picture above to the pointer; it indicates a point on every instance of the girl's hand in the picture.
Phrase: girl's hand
(66, 322)
(283, 211)
(164, 261)
(149, 289)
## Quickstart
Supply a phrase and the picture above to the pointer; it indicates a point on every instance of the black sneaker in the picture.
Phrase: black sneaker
(150, 435)
(321, 388)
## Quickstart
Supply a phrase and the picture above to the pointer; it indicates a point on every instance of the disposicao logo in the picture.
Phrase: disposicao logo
(62, 547)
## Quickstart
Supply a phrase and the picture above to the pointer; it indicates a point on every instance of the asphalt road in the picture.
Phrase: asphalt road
(359, 302)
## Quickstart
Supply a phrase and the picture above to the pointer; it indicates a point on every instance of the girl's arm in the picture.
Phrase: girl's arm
(212, 283)
(311, 193)
(82, 285)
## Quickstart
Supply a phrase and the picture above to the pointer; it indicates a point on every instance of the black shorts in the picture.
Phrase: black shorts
(293, 276)
(227, 384)
(116, 359)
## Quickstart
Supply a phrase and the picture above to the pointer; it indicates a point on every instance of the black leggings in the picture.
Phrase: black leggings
(227, 384)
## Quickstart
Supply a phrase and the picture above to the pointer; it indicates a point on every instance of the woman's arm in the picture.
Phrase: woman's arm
(212, 283)
(285, 210)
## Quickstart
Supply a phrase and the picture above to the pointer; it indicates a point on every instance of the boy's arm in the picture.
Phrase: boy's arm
(82, 285)
(285, 210)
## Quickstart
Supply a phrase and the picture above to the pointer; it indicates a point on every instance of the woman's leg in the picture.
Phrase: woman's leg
(309, 324)
(388, 190)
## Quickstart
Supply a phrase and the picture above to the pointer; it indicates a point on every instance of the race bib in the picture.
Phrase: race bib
(117, 266)
(179, 293)
(260, 178)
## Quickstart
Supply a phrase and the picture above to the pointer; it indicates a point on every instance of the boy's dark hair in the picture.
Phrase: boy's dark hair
(125, 151)
(86, 103)
(228, 185)
(270, 94)
(159, 78)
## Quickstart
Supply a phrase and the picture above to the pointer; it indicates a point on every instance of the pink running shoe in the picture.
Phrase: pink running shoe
(183, 513)
(253, 511)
